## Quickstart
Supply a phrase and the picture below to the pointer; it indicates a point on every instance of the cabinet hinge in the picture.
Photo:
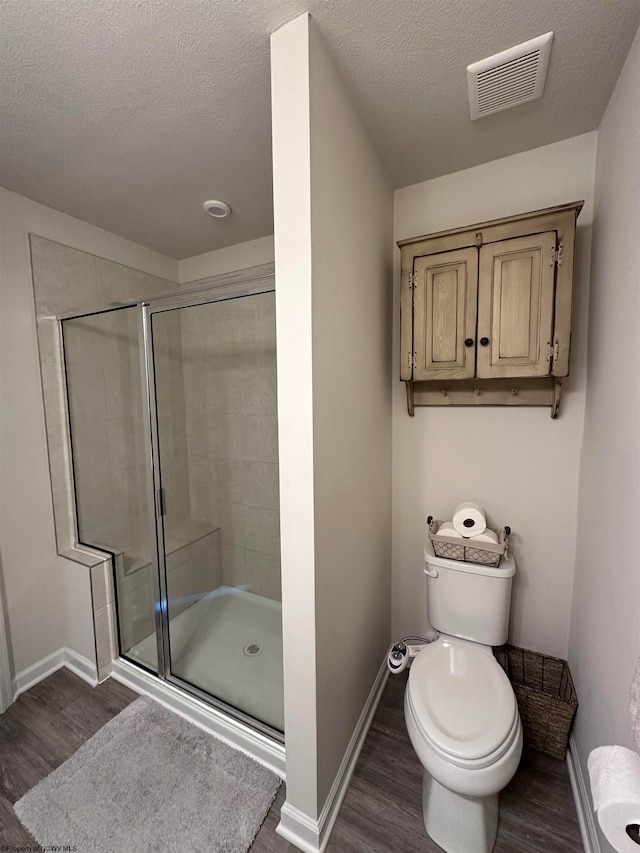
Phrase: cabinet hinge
(412, 280)
(412, 359)
(479, 239)
(553, 351)
(556, 256)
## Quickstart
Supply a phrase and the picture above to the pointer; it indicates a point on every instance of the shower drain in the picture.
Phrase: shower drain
(252, 649)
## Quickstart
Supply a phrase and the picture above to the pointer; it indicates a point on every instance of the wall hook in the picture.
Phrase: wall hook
(555, 405)
(410, 407)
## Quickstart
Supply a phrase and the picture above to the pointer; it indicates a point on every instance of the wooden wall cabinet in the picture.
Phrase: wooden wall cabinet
(486, 311)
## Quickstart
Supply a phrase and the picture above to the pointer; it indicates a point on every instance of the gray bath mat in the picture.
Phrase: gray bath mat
(151, 781)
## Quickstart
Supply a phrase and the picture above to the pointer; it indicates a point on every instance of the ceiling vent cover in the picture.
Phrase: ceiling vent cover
(507, 79)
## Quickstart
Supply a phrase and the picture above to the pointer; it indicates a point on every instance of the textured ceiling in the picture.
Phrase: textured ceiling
(130, 113)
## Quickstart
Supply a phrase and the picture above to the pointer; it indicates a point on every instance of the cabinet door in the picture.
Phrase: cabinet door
(444, 315)
(515, 306)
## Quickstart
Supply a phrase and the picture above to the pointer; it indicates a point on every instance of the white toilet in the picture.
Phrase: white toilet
(461, 712)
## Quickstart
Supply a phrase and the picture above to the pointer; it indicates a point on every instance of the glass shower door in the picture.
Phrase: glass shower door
(214, 384)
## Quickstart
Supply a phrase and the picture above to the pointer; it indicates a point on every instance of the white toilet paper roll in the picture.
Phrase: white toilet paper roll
(487, 536)
(614, 820)
(469, 519)
(615, 785)
(447, 529)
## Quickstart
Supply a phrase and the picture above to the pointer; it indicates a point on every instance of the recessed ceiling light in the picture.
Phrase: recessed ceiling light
(217, 209)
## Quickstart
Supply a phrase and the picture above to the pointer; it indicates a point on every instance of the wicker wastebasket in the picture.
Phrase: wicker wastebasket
(546, 697)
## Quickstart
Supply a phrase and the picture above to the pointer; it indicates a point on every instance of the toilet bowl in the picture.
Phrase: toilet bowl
(462, 719)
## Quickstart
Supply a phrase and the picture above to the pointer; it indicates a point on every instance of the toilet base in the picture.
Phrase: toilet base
(459, 824)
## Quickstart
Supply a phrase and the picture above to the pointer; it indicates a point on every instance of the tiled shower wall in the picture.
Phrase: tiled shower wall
(232, 436)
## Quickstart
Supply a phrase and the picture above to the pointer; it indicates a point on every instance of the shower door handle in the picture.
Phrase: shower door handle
(161, 507)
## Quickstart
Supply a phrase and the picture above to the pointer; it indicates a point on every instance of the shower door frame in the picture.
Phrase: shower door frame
(206, 295)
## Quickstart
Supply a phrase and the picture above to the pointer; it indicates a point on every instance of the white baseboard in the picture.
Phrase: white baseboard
(299, 829)
(37, 672)
(42, 669)
(309, 834)
(236, 734)
(582, 800)
(81, 666)
(6, 682)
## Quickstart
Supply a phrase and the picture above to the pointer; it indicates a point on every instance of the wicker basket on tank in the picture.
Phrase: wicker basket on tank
(547, 699)
(466, 550)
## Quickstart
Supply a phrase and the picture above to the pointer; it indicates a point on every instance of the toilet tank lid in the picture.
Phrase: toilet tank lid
(506, 569)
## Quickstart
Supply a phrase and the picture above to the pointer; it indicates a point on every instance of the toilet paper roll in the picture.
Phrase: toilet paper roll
(487, 536)
(614, 772)
(447, 529)
(469, 519)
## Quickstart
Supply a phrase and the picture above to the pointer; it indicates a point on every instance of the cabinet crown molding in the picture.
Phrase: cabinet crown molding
(575, 206)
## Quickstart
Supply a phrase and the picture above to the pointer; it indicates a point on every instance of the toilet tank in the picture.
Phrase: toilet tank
(468, 600)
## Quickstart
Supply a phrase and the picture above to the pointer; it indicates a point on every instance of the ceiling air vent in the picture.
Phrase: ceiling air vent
(507, 79)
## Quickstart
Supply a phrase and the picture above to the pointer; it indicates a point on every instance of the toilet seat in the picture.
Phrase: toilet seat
(462, 703)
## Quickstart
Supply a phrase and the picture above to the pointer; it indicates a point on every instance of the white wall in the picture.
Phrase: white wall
(333, 206)
(292, 206)
(250, 254)
(604, 643)
(351, 225)
(517, 462)
(48, 599)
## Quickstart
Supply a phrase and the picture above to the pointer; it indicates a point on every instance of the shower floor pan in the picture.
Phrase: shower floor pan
(228, 644)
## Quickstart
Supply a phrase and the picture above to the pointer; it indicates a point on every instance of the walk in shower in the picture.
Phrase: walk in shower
(172, 412)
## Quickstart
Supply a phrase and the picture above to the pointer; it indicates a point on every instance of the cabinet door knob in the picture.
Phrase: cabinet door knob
(484, 342)
(468, 342)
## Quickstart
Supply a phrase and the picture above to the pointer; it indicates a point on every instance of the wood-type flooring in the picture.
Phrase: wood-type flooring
(381, 812)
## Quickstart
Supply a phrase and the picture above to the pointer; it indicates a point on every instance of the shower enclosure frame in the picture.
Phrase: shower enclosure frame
(150, 411)
(218, 289)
